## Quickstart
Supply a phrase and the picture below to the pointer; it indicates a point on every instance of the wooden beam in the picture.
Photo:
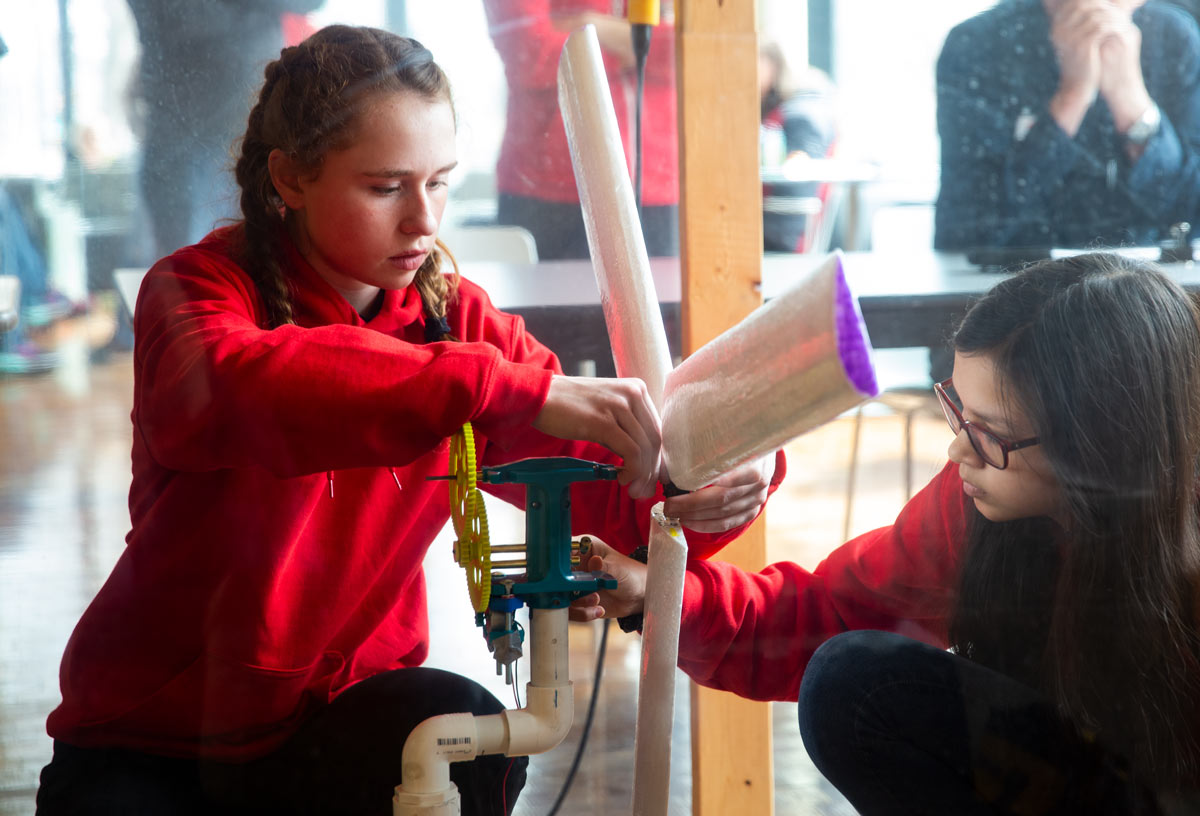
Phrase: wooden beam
(721, 260)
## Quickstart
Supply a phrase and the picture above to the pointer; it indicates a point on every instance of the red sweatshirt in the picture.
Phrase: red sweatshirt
(247, 594)
(535, 160)
(753, 633)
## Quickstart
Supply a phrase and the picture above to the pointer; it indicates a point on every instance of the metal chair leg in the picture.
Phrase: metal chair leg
(908, 423)
(851, 472)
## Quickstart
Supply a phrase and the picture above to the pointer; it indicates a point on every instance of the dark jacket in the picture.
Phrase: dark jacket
(1012, 178)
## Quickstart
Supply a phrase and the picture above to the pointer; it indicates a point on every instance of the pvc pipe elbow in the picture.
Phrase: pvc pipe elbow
(432, 746)
(543, 723)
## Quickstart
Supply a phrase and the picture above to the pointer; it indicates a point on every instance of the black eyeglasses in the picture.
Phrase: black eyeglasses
(991, 449)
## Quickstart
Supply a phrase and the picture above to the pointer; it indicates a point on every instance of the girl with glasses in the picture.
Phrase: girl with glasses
(1023, 639)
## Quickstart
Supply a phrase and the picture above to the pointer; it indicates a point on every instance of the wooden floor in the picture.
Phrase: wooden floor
(64, 476)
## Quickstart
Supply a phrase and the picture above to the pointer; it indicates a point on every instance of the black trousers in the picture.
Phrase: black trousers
(345, 760)
(900, 727)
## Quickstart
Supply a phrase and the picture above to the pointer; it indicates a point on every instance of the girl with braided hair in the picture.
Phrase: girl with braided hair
(258, 645)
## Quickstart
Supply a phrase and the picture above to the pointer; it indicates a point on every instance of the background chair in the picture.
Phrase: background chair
(471, 243)
(128, 281)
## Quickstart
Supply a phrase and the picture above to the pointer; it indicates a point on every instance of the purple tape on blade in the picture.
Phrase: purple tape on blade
(854, 347)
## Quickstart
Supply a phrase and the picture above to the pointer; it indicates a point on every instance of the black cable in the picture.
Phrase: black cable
(641, 49)
(587, 721)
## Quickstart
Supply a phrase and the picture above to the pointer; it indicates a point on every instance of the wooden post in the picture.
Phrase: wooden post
(721, 261)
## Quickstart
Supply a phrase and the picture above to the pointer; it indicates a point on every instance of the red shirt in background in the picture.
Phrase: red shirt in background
(535, 160)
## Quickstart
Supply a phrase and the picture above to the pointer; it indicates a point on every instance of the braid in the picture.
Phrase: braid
(308, 105)
(262, 208)
(437, 291)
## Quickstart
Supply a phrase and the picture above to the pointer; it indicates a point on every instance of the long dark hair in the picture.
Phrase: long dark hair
(309, 104)
(1102, 354)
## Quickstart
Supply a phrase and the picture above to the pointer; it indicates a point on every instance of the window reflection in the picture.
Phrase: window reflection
(94, 179)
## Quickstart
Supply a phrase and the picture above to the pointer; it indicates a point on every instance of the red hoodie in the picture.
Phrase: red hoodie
(753, 633)
(535, 159)
(247, 594)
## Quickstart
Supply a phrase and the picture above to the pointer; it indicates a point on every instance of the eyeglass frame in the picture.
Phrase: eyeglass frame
(1006, 446)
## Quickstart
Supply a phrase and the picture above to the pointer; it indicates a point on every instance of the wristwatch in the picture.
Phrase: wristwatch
(1145, 127)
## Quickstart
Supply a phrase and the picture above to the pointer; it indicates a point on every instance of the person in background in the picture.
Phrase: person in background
(1191, 6)
(200, 63)
(1056, 555)
(22, 256)
(40, 305)
(534, 178)
(797, 120)
(801, 108)
(257, 647)
(1068, 123)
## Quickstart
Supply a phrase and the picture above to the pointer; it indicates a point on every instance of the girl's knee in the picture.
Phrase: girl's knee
(849, 667)
(421, 689)
(837, 663)
(465, 692)
(825, 680)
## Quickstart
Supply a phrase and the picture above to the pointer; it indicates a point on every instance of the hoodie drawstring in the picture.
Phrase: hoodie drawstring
(391, 470)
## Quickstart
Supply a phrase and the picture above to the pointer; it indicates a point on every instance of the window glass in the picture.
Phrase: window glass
(94, 189)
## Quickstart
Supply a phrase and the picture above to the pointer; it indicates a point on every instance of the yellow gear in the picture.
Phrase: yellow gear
(472, 547)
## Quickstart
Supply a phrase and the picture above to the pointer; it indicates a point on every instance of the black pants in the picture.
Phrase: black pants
(900, 727)
(560, 234)
(345, 760)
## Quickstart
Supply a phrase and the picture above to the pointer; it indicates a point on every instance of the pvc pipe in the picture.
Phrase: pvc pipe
(549, 709)
(667, 561)
(548, 652)
(426, 789)
(425, 765)
(796, 362)
(614, 231)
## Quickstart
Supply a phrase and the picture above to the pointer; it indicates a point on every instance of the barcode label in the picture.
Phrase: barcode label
(454, 741)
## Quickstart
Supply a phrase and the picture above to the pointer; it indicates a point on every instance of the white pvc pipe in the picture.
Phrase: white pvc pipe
(426, 789)
(614, 231)
(549, 700)
(425, 765)
(796, 362)
(667, 560)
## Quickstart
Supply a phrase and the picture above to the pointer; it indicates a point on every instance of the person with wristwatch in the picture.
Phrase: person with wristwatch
(1068, 123)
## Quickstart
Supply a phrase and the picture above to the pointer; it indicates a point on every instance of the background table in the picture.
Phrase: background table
(846, 179)
(906, 301)
(913, 299)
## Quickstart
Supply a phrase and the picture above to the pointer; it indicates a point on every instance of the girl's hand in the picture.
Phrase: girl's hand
(732, 500)
(627, 599)
(615, 413)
